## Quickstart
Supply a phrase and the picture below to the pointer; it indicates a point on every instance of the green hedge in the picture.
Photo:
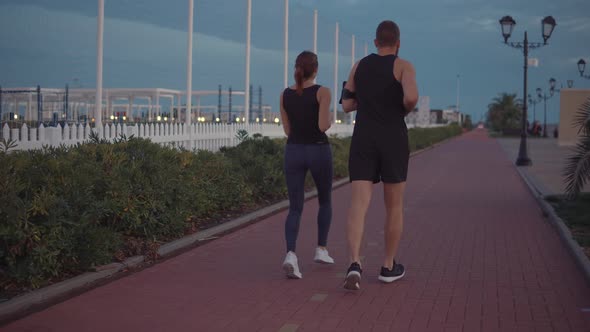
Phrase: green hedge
(421, 138)
(64, 210)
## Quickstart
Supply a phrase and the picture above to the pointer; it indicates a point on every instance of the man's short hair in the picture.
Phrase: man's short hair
(387, 34)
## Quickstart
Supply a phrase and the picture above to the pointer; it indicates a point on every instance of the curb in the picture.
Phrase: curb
(26, 304)
(564, 232)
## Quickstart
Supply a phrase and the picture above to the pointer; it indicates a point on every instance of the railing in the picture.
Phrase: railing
(207, 136)
(198, 136)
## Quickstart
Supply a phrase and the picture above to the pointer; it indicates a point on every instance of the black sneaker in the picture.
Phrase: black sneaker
(397, 272)
(353, 277)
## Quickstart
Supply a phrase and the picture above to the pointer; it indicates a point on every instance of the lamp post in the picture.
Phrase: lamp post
(534, 102)
(542, 95)
(581, 67)
(229, 119)
(548, 25)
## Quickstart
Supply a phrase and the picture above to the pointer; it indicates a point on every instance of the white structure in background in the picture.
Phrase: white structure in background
(135, 105)
(447, 116)
(420, 117)
(451, 116)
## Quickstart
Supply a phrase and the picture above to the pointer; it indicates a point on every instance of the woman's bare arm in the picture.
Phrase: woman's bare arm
(285, 118)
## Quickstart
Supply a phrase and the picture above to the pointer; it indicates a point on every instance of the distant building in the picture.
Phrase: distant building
(451, 116)
(423, 116)
(420, 116)
(436, 116)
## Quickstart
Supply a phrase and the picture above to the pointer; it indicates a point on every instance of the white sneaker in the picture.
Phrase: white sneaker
(290, 266)
(322, 256)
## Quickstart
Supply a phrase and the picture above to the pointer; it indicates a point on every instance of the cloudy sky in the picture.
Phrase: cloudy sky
(53, 42)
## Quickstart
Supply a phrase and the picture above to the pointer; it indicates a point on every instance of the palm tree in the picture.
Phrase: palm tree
(504, 112)
(577, 169)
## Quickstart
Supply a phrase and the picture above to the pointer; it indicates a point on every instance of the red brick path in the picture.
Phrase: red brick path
(478, 253)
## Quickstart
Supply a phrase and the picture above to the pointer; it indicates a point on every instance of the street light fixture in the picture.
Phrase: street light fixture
(552, 83)
(548, 25)
(581, 68)
(508, 24)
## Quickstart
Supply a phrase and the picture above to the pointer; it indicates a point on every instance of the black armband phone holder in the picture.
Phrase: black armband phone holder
(346, 94)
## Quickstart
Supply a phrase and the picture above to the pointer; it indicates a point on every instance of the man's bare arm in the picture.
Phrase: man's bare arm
(410, 87)
(324, 99)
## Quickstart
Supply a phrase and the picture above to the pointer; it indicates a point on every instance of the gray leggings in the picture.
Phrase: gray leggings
(317, 158)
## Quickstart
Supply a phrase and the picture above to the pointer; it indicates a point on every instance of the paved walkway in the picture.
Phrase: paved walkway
(548, 163)
(478, 253)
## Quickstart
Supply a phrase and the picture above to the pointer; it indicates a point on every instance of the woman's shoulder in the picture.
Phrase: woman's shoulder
(286, 91)
(323, 89)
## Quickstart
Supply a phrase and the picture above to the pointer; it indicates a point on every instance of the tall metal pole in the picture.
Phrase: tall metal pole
(353, 60)
(523, 158)
(219, 104)
(335, 94)
(189, 67)
(99, 54)
(251, 100)
(366, 49)
(39, 106)
(458, 111)
(315, 31)
(286, 46)
(248, 41)
(545, 115)
(230, 120)
(260, 103)
(67, 102)
(352, 52)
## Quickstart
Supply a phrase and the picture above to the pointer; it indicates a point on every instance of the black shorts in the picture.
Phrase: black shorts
(379, 157)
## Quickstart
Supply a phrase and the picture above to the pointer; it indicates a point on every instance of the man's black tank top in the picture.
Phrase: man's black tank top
(379, 95)
(303, 112)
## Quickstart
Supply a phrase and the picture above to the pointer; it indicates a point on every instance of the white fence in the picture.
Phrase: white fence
(199, 136)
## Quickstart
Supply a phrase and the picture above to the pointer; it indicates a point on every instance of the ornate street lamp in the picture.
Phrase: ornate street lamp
(507, 24)
(581, 68)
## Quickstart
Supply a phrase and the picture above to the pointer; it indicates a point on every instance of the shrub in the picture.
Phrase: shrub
(260, 162)
(65, 210)
(420, 138)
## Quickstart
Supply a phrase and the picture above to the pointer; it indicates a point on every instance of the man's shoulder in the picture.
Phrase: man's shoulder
(404, 63)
